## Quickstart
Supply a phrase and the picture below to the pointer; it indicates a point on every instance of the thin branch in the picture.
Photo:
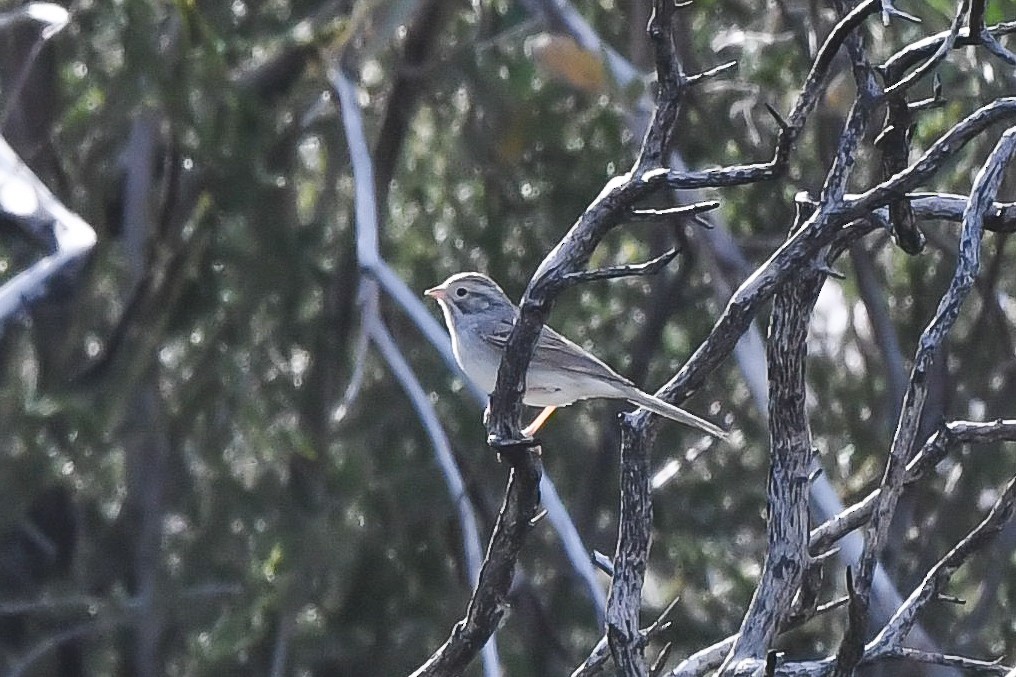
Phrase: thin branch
(650, 267)
(597, 660)
(943, 49)
(948, 437)
(994, 667)
(709, 73)
(983, 192)
(361, 344)
(680, 210)
(899, 626)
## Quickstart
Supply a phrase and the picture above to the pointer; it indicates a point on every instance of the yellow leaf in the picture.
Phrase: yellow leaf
(560, 58)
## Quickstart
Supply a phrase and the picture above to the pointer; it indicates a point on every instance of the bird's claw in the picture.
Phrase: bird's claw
(514, 450)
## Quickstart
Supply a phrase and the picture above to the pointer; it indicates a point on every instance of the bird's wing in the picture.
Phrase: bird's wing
(497, 334)
(556, 351)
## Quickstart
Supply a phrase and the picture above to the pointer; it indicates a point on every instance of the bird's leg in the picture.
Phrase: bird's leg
(538, 422)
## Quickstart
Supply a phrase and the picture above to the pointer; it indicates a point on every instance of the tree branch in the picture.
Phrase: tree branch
(983, 192)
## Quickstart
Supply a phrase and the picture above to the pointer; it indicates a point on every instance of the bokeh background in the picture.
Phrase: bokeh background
(188, 487)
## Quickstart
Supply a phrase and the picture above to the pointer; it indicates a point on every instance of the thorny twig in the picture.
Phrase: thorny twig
(983, 193)
(838, 220)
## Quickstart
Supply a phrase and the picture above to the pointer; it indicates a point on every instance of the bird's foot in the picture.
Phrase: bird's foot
(514, 450)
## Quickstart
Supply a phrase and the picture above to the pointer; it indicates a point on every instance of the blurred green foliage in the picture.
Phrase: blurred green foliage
(286, 532)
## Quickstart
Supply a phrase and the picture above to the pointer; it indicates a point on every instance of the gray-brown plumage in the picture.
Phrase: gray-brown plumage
(480, 317)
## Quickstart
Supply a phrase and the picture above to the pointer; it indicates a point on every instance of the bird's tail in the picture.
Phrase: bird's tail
(658, 406)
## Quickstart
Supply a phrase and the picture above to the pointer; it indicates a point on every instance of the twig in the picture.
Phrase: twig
(650, 267)
(709, 73)
(994, 667)
(898, 627)
(934, 450)
(986, 185)
(940, 53)
(681, 210)
(596, 662)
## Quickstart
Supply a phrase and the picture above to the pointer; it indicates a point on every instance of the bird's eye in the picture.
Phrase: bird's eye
(460, 292)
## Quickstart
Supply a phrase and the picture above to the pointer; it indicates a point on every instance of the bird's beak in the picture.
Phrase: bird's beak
(436, 293)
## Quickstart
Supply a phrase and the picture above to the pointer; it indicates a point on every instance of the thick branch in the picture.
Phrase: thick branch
(790, 463)
(635, 520)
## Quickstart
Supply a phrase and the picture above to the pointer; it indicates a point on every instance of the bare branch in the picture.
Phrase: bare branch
(710, 73)
(932, 452)
(650, 267)
(899, 626)
(982, 194)
(681, 210)
(943, 49)
(787, 487)
(490, 599)
(994, 667)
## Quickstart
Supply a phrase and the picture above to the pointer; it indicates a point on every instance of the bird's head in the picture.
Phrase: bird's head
(466, 294)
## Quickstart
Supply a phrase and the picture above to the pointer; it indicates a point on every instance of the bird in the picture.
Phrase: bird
(480, 316)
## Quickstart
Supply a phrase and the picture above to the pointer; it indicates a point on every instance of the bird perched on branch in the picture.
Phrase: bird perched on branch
(480, 317)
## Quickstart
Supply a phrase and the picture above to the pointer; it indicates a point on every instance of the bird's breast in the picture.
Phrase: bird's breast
(477, 358)
(545, 386)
